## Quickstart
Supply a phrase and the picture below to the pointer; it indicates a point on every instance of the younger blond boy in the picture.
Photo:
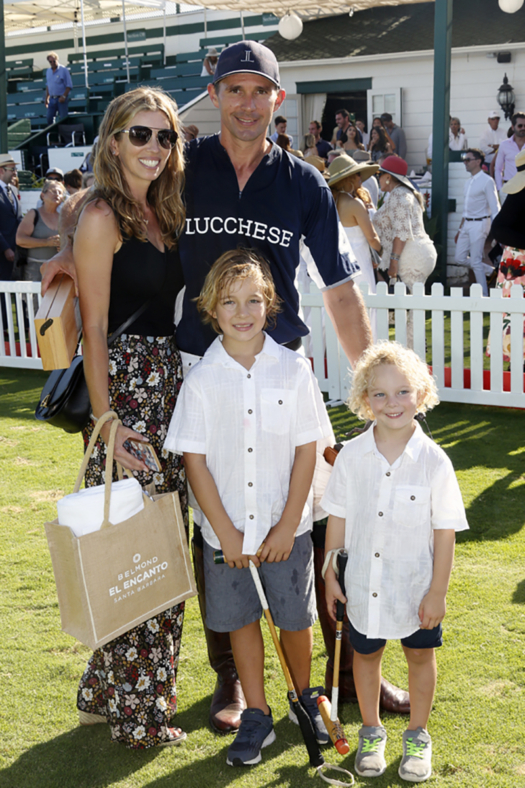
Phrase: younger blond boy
(394, 505)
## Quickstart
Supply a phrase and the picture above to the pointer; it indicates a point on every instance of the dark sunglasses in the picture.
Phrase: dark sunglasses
(141, 135)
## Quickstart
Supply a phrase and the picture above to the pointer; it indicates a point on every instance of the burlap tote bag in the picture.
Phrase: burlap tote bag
(111, 580)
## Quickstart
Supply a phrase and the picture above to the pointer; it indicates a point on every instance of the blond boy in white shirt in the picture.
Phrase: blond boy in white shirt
(247, 420)
(395, 505)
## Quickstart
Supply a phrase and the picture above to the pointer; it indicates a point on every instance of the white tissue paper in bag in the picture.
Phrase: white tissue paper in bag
(83, 511)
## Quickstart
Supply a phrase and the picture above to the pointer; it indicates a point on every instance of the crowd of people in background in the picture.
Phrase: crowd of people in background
(491, 166)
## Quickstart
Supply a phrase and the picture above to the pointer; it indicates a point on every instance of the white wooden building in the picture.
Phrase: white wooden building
(382, 60)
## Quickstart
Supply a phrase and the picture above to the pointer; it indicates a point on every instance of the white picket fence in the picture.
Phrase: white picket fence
(462, 379)
(21, 352)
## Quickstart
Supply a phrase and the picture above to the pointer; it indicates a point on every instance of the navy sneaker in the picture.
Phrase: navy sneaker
(309, 701)
(255, 732)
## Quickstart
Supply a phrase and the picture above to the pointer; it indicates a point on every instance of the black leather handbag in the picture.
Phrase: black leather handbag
(64, 401)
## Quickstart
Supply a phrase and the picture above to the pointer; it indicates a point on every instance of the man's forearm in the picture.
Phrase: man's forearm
(347, 311)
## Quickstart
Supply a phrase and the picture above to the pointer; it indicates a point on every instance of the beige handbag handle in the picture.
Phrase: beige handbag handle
(110, 415)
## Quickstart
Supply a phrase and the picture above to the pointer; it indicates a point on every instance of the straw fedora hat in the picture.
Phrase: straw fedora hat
(344, 165)
(517, 183)
(5, 159)
(394, 165)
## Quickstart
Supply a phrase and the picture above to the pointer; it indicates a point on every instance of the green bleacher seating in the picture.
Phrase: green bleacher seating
(180, 69)
(106, 89)
(78, 100)
(35, 110)
(19, 68)
(108, 64)
(23, 97)
(152, 51)
(163, 73)
(186, 96)
(151, 61)
(34, 84)
(78, 80)
(98, 105)
(221, 40)
(185, 57)
(17, 132)
(25, 178)
(181, 97)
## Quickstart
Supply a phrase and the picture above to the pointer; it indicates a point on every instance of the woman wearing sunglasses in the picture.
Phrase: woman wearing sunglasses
(125, 249)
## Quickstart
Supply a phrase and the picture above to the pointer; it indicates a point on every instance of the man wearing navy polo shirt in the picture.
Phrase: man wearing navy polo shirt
(243, 191)
(58, 88)
(323, 147)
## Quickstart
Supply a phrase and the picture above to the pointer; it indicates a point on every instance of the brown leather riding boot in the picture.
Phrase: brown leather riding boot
(392, 699)
(228, 701)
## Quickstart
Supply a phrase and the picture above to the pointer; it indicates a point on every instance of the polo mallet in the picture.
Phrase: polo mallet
(305, 723)
(329, 711)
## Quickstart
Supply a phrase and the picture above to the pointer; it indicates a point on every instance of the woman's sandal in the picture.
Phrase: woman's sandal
(177, 738)
(85, 718)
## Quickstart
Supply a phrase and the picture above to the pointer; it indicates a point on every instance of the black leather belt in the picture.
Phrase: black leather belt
(477, 220)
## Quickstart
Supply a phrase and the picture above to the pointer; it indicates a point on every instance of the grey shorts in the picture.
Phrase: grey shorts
(231, 597)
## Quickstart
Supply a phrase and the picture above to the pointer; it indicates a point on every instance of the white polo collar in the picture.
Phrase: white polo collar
(412, 449)
(216, 353)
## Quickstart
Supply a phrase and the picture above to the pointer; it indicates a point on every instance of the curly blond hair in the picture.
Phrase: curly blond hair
(406, 361)
(236, 266)
(164, 194)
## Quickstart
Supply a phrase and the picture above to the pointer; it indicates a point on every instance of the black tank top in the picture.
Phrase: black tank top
(139, 272)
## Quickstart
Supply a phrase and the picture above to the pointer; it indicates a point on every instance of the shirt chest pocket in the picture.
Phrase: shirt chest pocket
(277, 407)
(411, 506)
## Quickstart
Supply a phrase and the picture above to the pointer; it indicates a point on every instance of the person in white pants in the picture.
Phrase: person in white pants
(481, 205)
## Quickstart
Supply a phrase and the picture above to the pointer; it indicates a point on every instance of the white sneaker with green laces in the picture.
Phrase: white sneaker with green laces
(416, 764)
(370, 758)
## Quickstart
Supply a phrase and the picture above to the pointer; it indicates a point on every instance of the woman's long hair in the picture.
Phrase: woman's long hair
(164, 194)
(382, 143)
(283, 141)
(349, 185)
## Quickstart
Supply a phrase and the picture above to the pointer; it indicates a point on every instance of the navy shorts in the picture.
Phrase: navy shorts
(232, 601)
(421, 638)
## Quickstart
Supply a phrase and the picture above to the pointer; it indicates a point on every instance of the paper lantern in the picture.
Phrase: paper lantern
(290, 26)
(510, 6)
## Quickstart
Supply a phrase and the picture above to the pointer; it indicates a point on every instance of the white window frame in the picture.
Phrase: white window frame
(393, 105)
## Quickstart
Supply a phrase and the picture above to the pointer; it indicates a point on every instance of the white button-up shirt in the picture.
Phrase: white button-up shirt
(491, 137)
(391, 512)
(481, 197)
(248, 423)
(505, 167)
(454, 143)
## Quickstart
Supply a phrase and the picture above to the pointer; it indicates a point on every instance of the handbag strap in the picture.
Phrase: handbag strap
(120, 330)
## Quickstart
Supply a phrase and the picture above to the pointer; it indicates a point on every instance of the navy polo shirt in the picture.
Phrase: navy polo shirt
(323, 148)
(284, 200)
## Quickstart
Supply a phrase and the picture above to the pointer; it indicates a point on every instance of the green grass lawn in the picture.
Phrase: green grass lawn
(477, 725)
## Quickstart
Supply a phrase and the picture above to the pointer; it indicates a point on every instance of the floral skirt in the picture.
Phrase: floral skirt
(511, 272)
(131, 680)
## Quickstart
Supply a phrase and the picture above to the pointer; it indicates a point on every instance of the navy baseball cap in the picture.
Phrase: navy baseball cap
(247, 57)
